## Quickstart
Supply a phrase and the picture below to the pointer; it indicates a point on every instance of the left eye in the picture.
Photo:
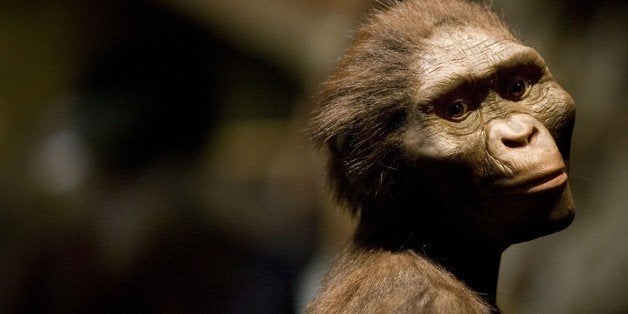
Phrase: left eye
(517, 88)
(457, 110)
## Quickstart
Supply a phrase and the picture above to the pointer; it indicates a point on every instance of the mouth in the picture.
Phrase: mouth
(535, 184)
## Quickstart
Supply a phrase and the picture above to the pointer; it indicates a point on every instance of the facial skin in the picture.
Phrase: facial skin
(493, 113)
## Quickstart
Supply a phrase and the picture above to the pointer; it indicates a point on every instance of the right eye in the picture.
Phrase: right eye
(457, 110)
(517, 88)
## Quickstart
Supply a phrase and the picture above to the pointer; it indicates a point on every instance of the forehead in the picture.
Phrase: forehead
(462, 55)
(468, 50)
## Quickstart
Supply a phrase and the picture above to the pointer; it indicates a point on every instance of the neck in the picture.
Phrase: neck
(476, 265)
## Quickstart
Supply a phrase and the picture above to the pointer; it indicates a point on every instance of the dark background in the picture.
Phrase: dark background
(152, 155)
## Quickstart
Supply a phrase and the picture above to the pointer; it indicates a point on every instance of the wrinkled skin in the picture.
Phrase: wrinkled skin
(450, 139)
(512, 177)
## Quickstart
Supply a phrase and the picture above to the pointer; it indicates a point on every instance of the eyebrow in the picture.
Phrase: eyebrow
(526, 57)
(448, 81)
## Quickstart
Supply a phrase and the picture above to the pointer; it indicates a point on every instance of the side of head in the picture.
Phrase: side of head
(439, 122)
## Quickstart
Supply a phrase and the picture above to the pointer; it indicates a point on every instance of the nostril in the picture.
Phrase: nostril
(521, 139)
(514, 143)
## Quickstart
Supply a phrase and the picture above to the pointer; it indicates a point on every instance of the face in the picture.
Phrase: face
(489, 133)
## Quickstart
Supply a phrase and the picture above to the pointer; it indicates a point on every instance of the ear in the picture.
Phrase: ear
(341, 145)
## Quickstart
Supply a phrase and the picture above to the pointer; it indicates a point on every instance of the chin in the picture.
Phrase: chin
(558, 215)
(563, 212)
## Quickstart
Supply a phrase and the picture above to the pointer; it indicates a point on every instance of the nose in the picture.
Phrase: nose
(516, 131)
(520, 139)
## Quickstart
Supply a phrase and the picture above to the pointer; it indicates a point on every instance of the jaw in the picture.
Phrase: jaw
(527, 217)
(470, 211)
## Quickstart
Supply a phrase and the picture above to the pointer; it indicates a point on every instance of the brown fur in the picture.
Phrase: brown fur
(379, 281)
(424, 185)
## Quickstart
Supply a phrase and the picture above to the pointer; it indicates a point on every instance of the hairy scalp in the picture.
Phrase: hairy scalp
(362, 107)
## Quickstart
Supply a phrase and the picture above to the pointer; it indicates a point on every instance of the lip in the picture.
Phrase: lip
(536, 184)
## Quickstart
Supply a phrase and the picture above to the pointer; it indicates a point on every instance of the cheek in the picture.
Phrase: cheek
(434, 143)
(557, 112)
(553, 106)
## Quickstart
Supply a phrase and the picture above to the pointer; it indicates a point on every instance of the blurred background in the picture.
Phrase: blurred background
(152, 155)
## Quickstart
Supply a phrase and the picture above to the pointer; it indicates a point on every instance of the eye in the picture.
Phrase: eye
(517, 88)
(457, 110)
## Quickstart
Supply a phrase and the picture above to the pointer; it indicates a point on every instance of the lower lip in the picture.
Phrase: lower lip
(551, 183)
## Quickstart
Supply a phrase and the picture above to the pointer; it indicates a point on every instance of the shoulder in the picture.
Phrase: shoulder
(383, 281)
